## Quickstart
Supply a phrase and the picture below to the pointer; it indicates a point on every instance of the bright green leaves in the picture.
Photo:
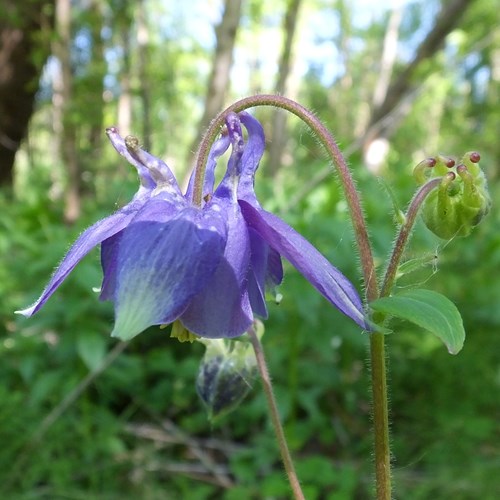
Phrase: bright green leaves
(429, 310)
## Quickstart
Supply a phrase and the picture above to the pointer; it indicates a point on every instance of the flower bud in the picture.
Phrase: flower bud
(225, 375)
(461, 200)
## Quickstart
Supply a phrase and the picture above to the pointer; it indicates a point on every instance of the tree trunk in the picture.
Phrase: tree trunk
(144, 88)
(285, 63)
(64, 124)
(22, 55)
(125, 98)
(97, 74)
(389, 53)
(447, 21)
(221, 68)
(375, 152)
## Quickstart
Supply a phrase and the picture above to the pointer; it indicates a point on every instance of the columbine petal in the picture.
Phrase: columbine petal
(162, 265)
(266, 272)
(266, 269)
(254, 149)
(87, 241)
(152, 171)
(160, 208)
(328, 280)
(222, 309)
(218, 149)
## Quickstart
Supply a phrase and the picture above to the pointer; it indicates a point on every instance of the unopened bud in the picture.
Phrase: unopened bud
(225, 375)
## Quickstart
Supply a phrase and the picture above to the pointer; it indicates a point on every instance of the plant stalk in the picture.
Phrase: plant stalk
(405, 233)
(377, 352)
(380, 410)
(275, 417)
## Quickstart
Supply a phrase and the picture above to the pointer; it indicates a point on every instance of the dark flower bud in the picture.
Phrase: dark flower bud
(462, 199)
(225, 375)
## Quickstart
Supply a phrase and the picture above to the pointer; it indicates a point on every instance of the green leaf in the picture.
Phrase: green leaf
(429, 310)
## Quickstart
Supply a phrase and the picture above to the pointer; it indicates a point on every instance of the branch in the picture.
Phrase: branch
(447, 20)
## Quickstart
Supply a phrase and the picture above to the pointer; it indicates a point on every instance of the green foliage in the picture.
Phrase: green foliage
(429, 310)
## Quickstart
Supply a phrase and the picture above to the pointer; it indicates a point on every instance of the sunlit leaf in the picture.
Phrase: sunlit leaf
(429, 310)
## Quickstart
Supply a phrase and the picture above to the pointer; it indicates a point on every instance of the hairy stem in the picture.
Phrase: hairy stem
(380, 410)
(404, 234)
(275, 417)
(377, 353)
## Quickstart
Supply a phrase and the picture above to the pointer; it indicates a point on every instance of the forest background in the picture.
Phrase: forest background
(396, 82)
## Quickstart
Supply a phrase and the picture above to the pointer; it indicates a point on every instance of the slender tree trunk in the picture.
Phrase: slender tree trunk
(389, 53)
(285, 64)
(98, 73)
(222, 62)
(399, 90)
(447, 20)
(375, 153)
(64, 125)
(340, 96)
(125, 99)
(144, 87)
(25, 29)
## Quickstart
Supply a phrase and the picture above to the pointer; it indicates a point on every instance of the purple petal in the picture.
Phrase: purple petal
(266, 272)
(162, 265)
(257, 273)
(328, 280)
(229, 184)
(222, 309)
(109, 250)
(90, 238)
(160, 208)
(254, 149)
(153, 172)
(218, 149)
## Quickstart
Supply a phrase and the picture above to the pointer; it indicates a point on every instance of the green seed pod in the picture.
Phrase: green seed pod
(462, 199)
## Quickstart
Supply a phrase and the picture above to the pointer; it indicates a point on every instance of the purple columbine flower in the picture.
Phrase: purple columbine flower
(165, 259)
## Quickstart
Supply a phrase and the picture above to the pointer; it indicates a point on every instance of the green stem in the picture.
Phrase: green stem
(275, 417)
(380, 416)
(404, 234)
(377, 353)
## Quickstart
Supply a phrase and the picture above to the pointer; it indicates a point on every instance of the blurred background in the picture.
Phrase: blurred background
(395, 81)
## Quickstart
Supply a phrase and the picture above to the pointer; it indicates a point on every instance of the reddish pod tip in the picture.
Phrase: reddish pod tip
(475, 157)
(450, 162)
(431, 162)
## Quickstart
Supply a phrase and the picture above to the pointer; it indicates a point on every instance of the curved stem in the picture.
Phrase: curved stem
(275, 417)
(404, 234)
(326, 138)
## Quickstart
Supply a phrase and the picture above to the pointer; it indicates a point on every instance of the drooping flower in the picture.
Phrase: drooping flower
(165, 259)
